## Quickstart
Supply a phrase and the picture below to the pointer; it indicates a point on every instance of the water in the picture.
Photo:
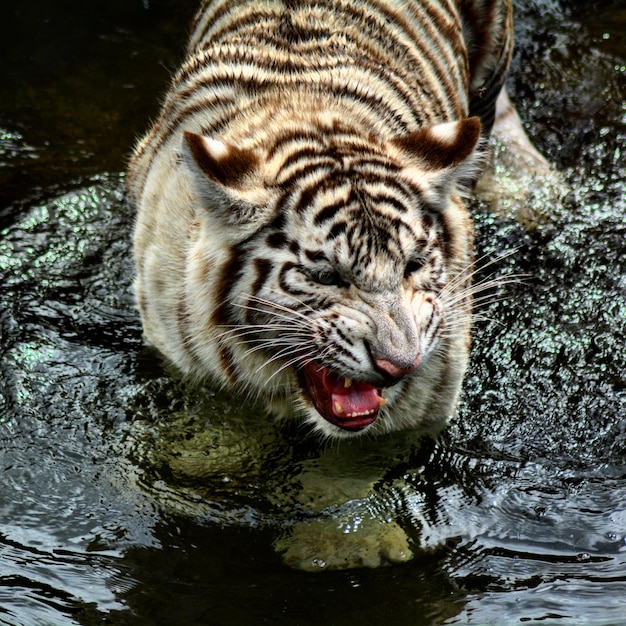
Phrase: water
(131, 498)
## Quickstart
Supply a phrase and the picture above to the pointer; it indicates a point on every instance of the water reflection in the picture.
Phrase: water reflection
(114, 503)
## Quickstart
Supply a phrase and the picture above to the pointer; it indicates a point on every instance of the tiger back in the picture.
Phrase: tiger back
(302, 234)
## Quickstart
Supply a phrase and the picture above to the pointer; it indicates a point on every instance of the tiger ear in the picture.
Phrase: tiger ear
(228, 180)
(445, 157)
(226, 165)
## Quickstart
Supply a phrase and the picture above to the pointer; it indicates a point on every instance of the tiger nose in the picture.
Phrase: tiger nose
(395, 371)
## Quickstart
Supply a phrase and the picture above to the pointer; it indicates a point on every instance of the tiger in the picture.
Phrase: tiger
(302, 231)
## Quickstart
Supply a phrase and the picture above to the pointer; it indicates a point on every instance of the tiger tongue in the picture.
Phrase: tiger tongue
(350, 405)
(350, 398)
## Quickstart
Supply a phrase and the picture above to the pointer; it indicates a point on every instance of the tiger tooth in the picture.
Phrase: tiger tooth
(381, 401)
(338, 408)
(347, 382)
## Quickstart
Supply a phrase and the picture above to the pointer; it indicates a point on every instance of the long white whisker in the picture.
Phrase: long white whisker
(489, 282)
(482, 300)
(283, 346)
(277, 356)
(253, 329)
(274, 306)
(277, 311)
(294, 299)
(450, 299)
(472, 270)
(296, 360)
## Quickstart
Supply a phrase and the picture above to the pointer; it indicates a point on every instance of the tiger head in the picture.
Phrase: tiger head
(345, 288)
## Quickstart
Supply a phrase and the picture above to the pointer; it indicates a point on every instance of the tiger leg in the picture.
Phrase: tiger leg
(519, 181)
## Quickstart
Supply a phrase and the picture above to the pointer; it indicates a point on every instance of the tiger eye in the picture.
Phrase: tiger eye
(413, 266)
(330, 278)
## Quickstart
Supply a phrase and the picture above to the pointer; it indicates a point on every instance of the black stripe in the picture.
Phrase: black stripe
(184, 330)
(307, 195)
(263, 268)
(291, 136)
(301, 170)
(337, 229)
(339, 350)
(446, 237)
(394, 203)
(231, 272)
(328, 212)
(227, 360)
(277, 239)
(345, 338)
(286, 287)
(315, 255)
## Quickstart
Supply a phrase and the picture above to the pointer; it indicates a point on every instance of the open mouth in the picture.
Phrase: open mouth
(350, 404)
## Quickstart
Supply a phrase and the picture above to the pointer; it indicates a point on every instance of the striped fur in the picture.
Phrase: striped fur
(301, 232)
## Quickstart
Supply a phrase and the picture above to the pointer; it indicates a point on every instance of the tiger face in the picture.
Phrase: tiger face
(346, 292)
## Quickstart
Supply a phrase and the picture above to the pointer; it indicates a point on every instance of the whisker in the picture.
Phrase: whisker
(284, 346)
(274, 306)
(488, 283)
(296, 300)
(254, 329)
(477, 267)
(450, 299)
(452, 326)
(479, 301)
(279, 355)
(270, 342)
(293, 316)
(297, 360)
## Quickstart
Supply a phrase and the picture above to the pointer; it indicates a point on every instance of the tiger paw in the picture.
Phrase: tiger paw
(328, 544)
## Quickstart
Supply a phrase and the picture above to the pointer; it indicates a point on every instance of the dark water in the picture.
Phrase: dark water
(110, 512)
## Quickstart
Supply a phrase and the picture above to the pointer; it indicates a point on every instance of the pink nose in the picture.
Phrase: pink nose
(393, 370)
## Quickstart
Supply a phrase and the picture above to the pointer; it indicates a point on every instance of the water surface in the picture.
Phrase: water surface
(110, 511)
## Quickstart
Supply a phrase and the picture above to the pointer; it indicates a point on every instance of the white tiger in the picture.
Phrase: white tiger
(301, 231)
